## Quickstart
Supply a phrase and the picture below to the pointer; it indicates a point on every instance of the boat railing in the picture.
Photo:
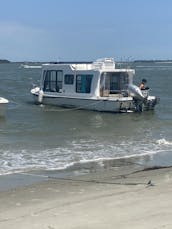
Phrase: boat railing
(105, 63)
(81, 66)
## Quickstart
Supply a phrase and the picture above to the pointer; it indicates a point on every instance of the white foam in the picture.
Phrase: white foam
(80, 151)
(163, 141)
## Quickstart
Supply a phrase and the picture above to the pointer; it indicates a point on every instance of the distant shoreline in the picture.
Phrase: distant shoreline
(4, 61)
(152, 61)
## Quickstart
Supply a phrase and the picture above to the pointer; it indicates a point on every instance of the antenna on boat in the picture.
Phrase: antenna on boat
(128, 61)
(59, 59)
(120, 63)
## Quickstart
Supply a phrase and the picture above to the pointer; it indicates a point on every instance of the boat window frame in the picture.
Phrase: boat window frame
(113, 82)
(69, 79)
(80, 80)
(53, 80)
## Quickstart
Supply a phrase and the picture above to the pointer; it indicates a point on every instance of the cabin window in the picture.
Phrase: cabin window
(113, 82)
(83, 83)
(53, 80)
(69, 79)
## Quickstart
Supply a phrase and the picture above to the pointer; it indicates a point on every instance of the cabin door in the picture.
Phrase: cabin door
(104, 85)
(113, 83)
(83, 83)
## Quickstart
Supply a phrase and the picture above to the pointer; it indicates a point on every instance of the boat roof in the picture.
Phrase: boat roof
(104, 64)
(72, 62)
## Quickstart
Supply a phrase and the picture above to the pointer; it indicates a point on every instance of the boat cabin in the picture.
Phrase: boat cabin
(98, 86)
(94, 79)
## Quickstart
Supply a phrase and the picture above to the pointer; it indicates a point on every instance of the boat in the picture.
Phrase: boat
(3, 106)
(98, 86)
(30, 66)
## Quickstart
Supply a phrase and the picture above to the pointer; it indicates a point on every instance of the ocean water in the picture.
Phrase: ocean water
(34, 137)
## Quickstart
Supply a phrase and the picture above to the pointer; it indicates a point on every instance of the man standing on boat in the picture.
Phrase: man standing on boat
(142, 85)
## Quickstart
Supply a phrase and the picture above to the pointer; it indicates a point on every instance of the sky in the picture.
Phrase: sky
(66, 30)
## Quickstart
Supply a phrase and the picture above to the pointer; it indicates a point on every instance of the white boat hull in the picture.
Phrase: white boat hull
(109, 104)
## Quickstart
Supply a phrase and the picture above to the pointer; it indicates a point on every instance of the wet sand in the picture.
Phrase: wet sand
(104, 199)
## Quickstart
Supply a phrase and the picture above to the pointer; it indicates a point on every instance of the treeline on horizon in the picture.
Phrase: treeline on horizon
(4, 61)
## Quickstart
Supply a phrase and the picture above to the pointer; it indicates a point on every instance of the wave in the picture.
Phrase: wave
(6, 168)
(163, 141)
(78, 154)
(153, 66)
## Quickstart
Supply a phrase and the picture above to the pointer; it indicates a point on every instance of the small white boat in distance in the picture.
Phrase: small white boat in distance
(3, 106)
(98, 86)
(30, 66)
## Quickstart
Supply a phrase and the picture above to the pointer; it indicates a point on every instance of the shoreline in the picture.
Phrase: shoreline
(29, 177)
(104, 199)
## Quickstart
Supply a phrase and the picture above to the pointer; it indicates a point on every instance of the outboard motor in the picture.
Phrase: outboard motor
(135, 92)
(138, 97)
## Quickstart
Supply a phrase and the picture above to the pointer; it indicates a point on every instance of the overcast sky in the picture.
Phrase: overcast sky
(51, 30)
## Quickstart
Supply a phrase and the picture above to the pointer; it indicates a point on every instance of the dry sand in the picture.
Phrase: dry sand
(97, 201)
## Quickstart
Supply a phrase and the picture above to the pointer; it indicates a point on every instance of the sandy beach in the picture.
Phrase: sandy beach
(98, 200)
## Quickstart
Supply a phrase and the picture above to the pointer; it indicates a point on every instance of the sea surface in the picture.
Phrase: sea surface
(46, 138)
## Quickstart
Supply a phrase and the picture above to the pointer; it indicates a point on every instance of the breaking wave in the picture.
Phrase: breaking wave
(78, 152)
(163, 141)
